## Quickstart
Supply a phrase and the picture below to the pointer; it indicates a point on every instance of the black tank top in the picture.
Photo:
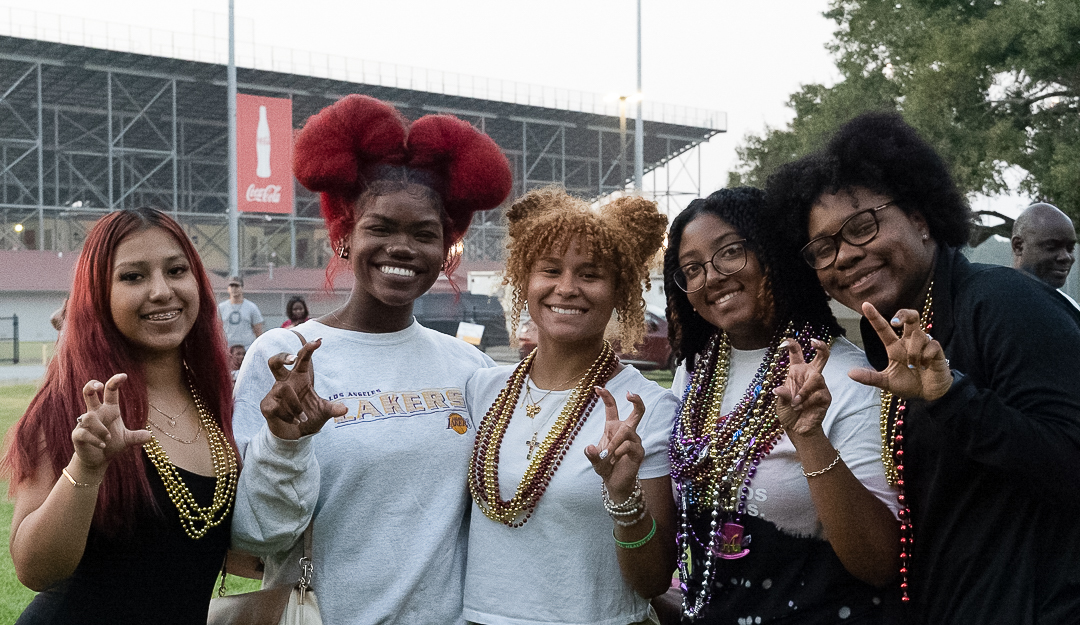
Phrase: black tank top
(154, 574)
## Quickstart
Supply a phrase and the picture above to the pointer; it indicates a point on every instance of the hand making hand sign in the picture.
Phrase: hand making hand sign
(917, 364)
(617, 457)
(100, 433)
(803, 399)
(292, 408)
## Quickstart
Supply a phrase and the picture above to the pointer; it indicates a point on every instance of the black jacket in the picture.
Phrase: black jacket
(992, 468)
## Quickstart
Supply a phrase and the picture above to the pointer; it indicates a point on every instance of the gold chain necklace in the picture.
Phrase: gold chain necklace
(484, 466)
(532, 408)
(198, 520)
(198, 432)
(172, 419)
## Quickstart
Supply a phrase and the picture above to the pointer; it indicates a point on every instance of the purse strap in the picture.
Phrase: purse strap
(306, 566)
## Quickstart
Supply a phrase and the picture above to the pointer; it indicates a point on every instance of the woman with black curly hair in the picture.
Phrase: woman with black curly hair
(573, 517)
(760, 449)
(977, 364)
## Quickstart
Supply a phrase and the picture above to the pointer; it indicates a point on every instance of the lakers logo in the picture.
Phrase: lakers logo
(457, 423)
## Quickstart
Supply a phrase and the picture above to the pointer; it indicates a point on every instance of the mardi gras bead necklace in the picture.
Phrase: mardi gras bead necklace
(484, 466)
(715, 456)
(196, 519)
(893, 411)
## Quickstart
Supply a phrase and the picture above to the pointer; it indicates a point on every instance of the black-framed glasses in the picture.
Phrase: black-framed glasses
(728, 260)
(858, 230)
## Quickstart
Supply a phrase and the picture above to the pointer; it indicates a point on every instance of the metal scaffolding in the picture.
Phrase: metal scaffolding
(84, 131)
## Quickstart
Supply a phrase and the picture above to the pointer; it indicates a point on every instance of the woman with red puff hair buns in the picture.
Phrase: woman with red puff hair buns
(356, 422)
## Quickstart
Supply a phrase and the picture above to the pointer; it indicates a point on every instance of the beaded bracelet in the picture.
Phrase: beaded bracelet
(77, 484)
(631, 504)
(636, 543)
(825, 470)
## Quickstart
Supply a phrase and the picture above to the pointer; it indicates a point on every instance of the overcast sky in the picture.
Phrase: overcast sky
(742, 57)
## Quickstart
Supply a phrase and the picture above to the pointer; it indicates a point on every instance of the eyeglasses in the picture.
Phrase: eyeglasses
(727, 260)
(858, 230)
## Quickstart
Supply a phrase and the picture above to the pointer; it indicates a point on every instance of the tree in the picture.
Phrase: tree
(991, 83)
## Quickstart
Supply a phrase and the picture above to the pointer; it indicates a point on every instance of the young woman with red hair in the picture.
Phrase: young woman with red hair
(122, 512)
(367, 436)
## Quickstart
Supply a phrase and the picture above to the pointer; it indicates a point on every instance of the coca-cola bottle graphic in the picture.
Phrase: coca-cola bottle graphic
(262, 145)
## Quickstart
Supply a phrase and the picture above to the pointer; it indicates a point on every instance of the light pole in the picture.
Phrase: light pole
(639, 130)
(623, 101)
(622, 140)
(234, 216)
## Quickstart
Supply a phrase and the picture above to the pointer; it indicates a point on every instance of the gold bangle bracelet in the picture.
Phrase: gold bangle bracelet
(823, 471)
(77, 484)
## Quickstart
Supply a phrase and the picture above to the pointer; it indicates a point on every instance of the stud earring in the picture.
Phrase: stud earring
(343, 252)
(925, 237)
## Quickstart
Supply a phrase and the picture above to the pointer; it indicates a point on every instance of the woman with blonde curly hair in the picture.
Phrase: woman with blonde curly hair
(558, 482)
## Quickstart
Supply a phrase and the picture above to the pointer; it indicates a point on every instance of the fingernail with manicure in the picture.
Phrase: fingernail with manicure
(290, 359)
(895, 320)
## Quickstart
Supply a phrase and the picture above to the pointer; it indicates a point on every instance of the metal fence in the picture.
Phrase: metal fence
(9, 353)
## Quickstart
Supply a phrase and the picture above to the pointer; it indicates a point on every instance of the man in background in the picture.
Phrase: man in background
(1044, 243)
(240, 317)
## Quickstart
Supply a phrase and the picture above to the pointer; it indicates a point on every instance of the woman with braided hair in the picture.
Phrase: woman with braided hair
(767, 446)
(561, 482)
(356, 422)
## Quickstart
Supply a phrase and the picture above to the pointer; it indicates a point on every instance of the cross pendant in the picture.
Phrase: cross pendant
(533, 444)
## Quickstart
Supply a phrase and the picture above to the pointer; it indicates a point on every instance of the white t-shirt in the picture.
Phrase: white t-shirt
(561, 566)
(780, 493)
(386, 483)
(239, 322)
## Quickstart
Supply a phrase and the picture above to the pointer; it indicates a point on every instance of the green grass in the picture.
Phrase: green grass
(663, 377)
(14, 597)
(29, 352)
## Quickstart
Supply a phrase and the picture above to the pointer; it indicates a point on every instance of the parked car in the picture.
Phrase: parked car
(444, 311)
(653, 353)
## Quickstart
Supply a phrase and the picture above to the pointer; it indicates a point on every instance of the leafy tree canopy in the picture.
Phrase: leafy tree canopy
(991, 83)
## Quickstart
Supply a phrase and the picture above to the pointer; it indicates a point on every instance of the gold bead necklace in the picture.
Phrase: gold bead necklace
(198, 520)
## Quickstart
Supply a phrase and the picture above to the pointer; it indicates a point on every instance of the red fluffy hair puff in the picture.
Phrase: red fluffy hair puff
(92, 348)
(345, 148)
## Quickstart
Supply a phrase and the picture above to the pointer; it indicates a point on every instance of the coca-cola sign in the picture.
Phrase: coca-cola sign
(270, 194)
(264, 154)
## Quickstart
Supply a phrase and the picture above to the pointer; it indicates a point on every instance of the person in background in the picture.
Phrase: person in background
(296, 311)
(356, 422)
(236, 358)
(978, 368)
(570, 468)
(124, 489)
(57, 318)
(240, 317)
(1044, 244)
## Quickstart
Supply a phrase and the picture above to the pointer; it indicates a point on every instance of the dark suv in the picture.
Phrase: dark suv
(444, 311)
